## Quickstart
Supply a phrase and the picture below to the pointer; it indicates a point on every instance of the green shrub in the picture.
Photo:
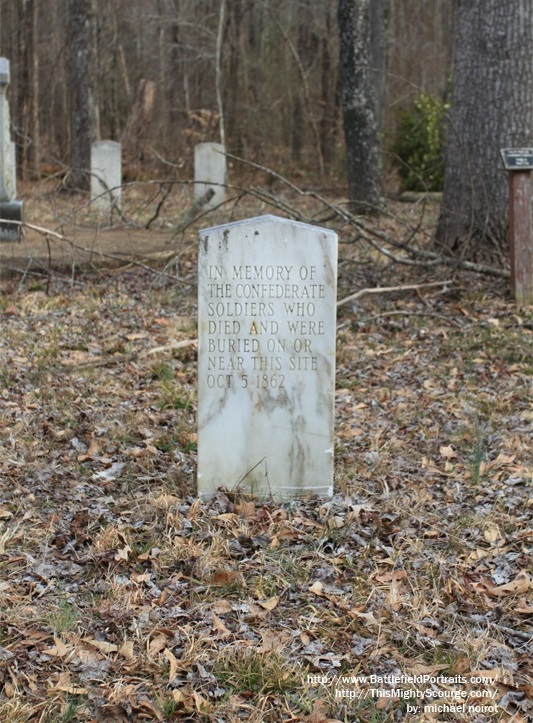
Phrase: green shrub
(418, 148)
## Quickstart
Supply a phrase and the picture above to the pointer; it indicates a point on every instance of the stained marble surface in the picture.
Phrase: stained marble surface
(8, 177)
(266, 357)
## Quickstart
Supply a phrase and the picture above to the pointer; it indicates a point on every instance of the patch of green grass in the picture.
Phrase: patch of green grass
(64, 617)
(265, 586)
(163, 371)
(36, 286)
(290, 568)
(169, 707)
(6, 379)
(174, 396)
(244, 669)
(167, 442)
(71, 710)
(478, 452)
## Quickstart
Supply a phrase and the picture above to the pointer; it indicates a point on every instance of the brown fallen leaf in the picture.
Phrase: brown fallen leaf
(221, 578)
(492, 533)
(64, 684)
(245, 509)
(394, 596)
(419, 669)
(257, 612)
(126, 650)
(59, 650)
(269, 604)
(157, 644)
(496, 674)
(369, 618)
(523, 607)
(428, 632)
(174, 664)
(502, 459)
(123, 554)
(221, 607)
(219, 627)
(190, 700)
(317, 588)
(448, 452)
(520, 585)
(318, 715)
(393, 576)
(271, 642)
(101, 645)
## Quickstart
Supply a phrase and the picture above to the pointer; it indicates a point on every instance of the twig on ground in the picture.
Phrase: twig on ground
(127, 259)
(175, 345)
(411, 313)
(126, 358)
(390, 289)
(165, 189)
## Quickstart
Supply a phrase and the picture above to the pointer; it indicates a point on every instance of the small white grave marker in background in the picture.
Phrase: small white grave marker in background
(210, 172)
(10, 209)
(106, 175)
(266, 357)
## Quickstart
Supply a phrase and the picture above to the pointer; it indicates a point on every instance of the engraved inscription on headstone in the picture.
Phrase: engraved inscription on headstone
(266, 357)
(210, 173)
(106, 174)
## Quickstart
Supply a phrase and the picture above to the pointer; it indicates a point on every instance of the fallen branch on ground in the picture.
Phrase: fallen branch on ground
(390, 289)
(413, 256)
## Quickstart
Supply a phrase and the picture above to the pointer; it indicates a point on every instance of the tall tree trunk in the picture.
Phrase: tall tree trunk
(327, 126)
(174, 70)
(234, 88)
(360, 33)
(218, 71)
(491, 108)
(29, 89)
(81, 80)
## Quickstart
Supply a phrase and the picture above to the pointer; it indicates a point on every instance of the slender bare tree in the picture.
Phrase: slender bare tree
(361, 67)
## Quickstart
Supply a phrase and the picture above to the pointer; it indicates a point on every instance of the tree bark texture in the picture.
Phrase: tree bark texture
(360, 30)
(135, 135)
(81, 80)
(491, 108)
(28, 89)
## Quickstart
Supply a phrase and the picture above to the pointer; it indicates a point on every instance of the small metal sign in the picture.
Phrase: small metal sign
(517, 159)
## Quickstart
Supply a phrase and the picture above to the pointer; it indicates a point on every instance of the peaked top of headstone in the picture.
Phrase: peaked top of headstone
(271, 219)
(4, 71)
(211, 144)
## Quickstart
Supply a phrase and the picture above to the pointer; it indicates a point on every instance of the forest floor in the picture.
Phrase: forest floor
(125, 598)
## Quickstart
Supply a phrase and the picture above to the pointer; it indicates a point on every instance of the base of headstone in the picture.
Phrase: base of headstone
(10, 211)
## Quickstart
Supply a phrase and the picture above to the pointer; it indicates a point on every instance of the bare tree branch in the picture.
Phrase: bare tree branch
(390, 289)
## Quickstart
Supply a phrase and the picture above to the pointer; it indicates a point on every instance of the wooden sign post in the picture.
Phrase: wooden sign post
(519, 164)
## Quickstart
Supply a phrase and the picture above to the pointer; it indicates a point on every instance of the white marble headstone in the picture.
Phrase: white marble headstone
(266, 358)
(210, 172)
(10, 209)
(106, 175)
(8, 188)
